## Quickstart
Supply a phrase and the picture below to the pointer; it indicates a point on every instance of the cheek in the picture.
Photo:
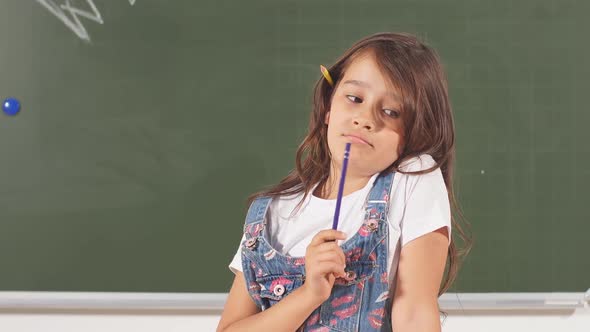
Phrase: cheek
(335, 117)
(395, 133)
(392, 144)
(338, 104)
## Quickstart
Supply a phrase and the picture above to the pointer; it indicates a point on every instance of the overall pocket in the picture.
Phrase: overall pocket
(341, 311)
(273, 288)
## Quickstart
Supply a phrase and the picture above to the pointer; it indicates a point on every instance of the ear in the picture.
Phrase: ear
(327, 119)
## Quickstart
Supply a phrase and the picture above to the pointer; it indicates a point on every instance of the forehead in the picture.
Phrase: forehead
(364, 69)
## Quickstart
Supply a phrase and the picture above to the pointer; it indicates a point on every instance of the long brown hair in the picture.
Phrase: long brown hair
(417, 72)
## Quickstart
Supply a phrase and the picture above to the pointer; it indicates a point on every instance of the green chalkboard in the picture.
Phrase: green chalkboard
(145, 124)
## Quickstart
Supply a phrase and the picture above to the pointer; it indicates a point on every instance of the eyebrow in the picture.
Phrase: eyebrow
(364, 84)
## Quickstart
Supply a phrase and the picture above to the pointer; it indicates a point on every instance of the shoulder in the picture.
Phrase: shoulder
(408, 172)
(416, 164)
(423, 199)
(407, 183)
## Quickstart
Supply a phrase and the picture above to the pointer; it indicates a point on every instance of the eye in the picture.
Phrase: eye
(353, 98)
(392, 113)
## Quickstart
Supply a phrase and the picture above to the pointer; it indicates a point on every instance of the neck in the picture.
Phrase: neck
(353, 182)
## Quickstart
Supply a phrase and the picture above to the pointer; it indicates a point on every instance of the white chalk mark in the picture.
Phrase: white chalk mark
(72, 21)
(75, 26)
(95, 15)
(482, 171)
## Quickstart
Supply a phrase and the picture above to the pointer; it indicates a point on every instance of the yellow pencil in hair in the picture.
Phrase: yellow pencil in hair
(326, 74)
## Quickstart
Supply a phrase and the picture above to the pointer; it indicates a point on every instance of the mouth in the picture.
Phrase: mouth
(357, 139)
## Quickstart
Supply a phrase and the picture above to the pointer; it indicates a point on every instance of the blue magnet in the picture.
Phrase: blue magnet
(11, 106)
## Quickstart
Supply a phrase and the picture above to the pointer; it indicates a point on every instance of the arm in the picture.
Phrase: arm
(420, 270)
(241, 313)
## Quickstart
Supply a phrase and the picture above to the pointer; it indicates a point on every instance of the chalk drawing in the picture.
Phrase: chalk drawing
(70, 14)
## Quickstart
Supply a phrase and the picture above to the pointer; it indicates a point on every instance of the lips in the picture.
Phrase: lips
(358, 138)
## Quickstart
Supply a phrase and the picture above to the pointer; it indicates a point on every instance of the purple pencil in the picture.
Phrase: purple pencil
(341, 187)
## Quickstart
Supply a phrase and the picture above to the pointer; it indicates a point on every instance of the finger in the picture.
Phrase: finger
(325, 267)
(326, 246)
(331, 256)
(330, 247)
(331, 278)
(314, 252)
(327, 235)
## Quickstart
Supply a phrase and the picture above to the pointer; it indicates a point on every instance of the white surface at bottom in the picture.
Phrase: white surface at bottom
(566, 321)
(146, 312)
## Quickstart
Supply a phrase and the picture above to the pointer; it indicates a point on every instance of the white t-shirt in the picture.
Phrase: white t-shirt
(418, 205)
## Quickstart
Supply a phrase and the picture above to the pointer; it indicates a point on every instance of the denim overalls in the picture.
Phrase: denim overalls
(358, 302)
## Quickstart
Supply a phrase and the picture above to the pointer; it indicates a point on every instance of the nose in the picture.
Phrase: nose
(364, 119)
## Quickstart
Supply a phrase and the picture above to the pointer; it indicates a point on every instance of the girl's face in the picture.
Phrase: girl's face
(365, 111)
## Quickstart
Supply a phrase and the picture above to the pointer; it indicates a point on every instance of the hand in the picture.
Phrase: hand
(324, 262)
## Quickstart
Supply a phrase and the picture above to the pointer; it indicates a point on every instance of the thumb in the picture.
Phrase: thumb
(331, 278)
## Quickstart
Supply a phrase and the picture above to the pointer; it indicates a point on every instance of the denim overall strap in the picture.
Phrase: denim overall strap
(253, 228)
(255, 218)
(379, 195)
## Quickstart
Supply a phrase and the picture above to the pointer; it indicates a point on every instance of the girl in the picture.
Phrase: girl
(387, 95)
